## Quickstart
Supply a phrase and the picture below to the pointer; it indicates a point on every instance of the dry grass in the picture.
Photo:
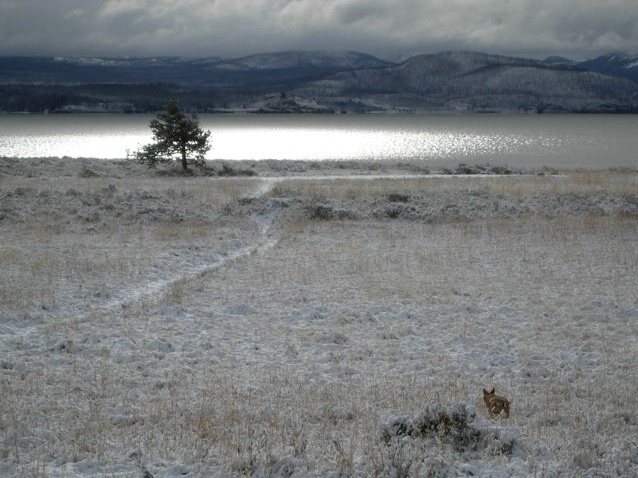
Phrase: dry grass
(552, 361)
(577, 181)
(350, 322)
(47, 257)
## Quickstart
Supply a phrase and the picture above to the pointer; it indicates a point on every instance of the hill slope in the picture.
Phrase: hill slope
(624, 65)
(319, 81)
(462, 81)
(211, 71)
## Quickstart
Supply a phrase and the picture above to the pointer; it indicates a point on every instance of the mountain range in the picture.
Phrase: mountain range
(623, 65)
(322, 81)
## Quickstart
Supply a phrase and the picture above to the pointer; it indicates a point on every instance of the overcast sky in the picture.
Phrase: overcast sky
(577, 29)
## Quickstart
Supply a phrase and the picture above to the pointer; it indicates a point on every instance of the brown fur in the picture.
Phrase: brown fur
(496, 404)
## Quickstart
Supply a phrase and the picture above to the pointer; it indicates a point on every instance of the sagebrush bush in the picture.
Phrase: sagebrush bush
(455, 426)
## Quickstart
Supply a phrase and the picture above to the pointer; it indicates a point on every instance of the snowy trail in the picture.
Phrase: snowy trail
(190, 261)
(194, 261)
(186, 268)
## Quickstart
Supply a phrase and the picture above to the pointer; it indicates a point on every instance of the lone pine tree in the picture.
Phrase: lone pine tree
(177, 137)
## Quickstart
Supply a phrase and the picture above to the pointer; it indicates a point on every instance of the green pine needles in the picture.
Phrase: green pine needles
(177, 137)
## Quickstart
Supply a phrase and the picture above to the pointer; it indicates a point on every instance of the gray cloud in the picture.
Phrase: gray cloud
(573, 28)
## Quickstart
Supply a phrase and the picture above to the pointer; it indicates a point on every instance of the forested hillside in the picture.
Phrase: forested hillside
(467, 81)
(314, 82)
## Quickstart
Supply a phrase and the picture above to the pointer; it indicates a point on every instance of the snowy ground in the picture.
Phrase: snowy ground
(294, 325)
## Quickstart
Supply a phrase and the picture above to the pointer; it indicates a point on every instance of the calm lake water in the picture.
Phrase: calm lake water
(597, 141)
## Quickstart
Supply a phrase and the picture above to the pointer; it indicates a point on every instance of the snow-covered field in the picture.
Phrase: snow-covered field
(315, 322)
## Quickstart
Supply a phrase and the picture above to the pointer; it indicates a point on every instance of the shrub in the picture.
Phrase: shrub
(230, 171)
(397, 210)
(455, 426)
(398, 197)
(327, 212)
(451, 424)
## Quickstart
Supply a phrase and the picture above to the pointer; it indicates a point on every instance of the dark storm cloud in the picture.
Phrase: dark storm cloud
(349, 13)
(575, 28)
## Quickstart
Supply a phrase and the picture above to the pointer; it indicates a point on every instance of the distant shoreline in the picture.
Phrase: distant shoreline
(69, 166)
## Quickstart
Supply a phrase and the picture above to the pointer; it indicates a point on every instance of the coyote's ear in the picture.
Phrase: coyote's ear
(485, 392)
(493, 390)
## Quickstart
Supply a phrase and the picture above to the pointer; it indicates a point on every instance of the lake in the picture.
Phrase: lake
(595, 141)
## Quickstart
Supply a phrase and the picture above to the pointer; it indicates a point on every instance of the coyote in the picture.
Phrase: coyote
(496, 404)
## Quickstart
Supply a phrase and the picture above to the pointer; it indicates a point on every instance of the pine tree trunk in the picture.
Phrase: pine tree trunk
(184, 162)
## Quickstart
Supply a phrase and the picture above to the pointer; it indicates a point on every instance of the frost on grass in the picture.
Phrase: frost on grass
(452, 430)
(189, 326)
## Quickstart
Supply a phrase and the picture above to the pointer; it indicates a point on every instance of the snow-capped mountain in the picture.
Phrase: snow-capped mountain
(337, 80)
(209, 71)
(470, 81)
(558, 60)
(320, 60)
(624, 65)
